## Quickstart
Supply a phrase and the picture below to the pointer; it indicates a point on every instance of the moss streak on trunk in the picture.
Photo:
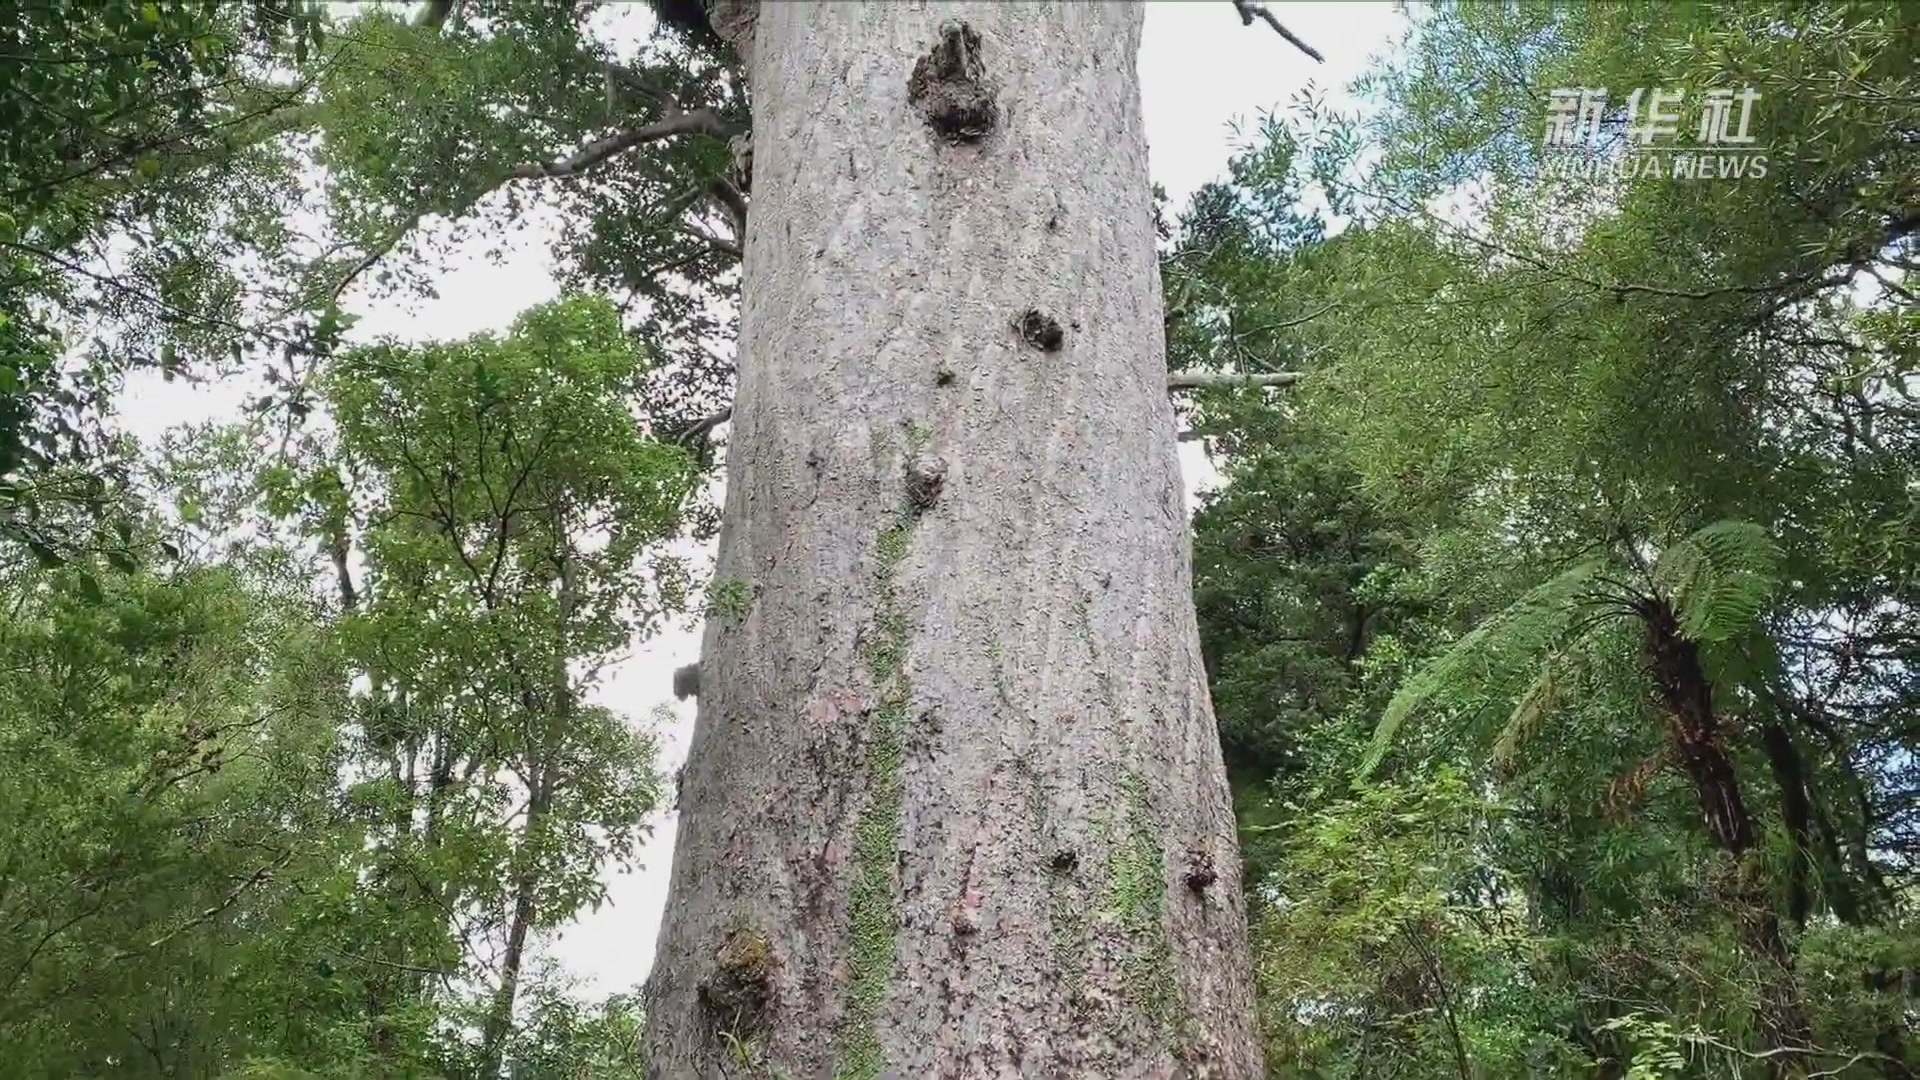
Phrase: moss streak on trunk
(873, 913)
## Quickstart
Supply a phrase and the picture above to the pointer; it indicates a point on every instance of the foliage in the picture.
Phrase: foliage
(1645, 448)
(120, 248)
(255, 828)
(171, 748)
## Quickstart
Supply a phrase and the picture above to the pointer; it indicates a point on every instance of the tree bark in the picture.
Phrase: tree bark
(1796, 813)
(1700, 745)
(954, 804)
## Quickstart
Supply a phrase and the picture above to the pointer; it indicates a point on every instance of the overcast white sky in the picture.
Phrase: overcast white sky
(1200, 70)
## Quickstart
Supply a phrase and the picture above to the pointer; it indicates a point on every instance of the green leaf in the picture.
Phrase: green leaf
(1720, 579)
(1482, 664)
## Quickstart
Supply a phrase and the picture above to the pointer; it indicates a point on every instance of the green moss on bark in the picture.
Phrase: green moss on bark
(872, 906)
(1137, 900)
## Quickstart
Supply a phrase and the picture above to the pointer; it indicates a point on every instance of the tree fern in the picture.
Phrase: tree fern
(1528, 716)
(1719, 579)
(1488, 660)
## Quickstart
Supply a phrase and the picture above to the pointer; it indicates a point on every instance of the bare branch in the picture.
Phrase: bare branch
(705, 425)
(1250, 11)
(1199, 380)
(265, 873)
(374, 254)
(733, 202)
(697, 122)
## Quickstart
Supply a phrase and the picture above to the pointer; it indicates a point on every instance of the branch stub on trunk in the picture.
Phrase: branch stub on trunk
(949, 86)
(738, 996)
(1041, 331)
(924, 480)
(686, 681)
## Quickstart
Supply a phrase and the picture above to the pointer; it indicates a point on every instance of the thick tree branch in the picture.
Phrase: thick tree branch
(1199, 380)
(735, 204)
(705, 425)
(697, 122)
(434, 15)
(1250, 11)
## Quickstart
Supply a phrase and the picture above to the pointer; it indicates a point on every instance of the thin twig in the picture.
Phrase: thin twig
(265, 873)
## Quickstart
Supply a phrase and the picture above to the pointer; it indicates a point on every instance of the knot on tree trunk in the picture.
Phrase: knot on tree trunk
(738, 996)
(1200, 874)
(949, 86)
(925, 478)
(1040, 330)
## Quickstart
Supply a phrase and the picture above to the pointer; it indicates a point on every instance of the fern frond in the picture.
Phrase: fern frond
(1485, 662)
(1625, 791)
(1720, 579)
(1528, 716)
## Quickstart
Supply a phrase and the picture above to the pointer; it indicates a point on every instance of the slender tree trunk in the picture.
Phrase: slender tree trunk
(499, 1024)
(544, 769)
(954, 805)
(1796, 813)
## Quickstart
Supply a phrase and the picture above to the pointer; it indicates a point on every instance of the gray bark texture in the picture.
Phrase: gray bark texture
(954, 805)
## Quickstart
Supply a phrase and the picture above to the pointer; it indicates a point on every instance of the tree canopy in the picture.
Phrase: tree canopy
(1562, 617)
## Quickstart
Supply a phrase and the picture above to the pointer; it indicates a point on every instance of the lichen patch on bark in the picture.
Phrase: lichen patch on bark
(1137, 899)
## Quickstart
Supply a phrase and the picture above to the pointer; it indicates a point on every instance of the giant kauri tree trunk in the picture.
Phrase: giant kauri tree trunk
(954, 805)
